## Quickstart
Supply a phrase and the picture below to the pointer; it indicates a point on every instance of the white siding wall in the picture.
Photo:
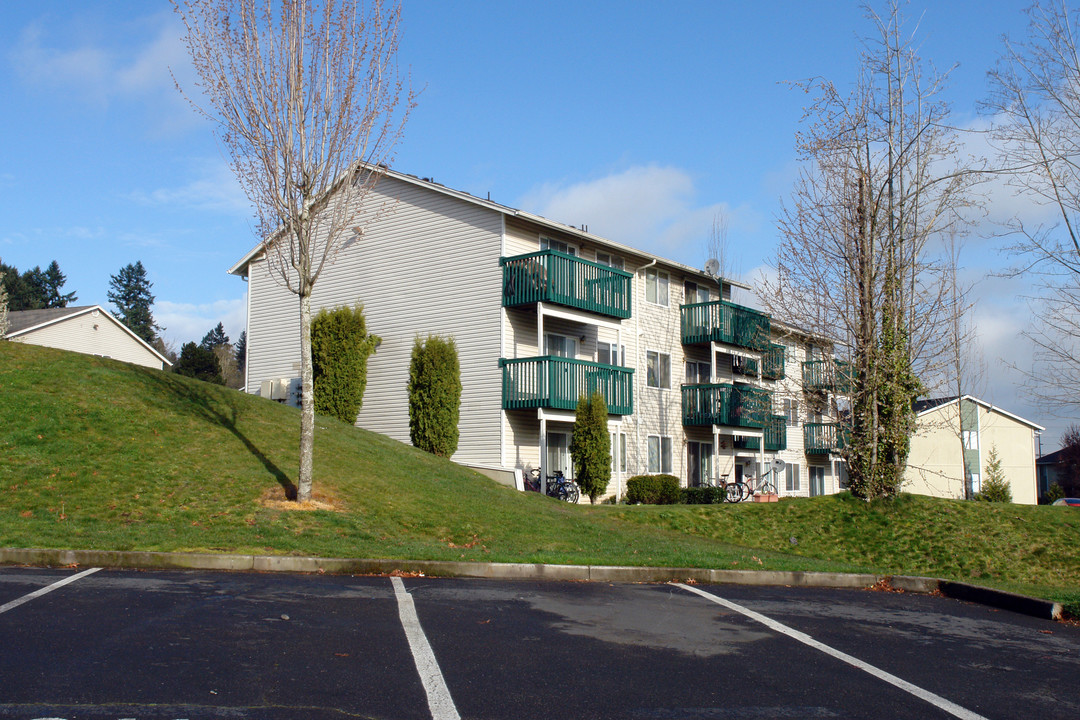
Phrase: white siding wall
(93, 333)
(429, 266)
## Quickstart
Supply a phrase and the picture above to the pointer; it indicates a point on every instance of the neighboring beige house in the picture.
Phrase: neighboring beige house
(956, 434)
(88, 329)
(696, 385)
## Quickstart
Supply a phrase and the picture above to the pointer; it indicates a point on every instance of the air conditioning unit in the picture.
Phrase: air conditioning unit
(276, 389)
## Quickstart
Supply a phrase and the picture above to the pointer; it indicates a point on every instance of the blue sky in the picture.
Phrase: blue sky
(639, 119)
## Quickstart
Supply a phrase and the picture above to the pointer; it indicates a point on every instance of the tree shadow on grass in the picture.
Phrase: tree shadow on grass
(217, 411)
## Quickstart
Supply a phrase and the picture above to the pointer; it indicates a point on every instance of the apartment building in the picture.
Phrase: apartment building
(541, 312)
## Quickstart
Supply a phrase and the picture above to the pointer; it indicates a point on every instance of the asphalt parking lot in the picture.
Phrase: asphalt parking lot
(171, 645)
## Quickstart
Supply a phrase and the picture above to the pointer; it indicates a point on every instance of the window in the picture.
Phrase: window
(559, 245)
(817, 479)
(659, 454)
(656, 287)
(792, 480)
(971, 439)
(694, 293)
(560, 346)
(698, 463)
(814, 416)
(976, 483)
(609, 354)
(612, 261)
(618, 452)
(791, 412)
(697, 373)
(658, 369)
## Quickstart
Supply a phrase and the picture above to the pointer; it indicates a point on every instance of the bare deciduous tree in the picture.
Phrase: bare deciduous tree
(1036, 104)
(860, 257)
(309, 104)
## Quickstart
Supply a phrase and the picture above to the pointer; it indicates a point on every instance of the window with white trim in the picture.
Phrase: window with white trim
(792, 482)
(547, 243)
(698, 373)
(608, 354)
(694, 293)
(971, 439)
(656, 286)
(657, 369)
(560, 345)
(791, 412)
(612, 261)
(660, 454)
(618, 452)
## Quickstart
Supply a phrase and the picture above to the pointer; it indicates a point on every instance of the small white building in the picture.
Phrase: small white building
(89, 329)
(955, 435)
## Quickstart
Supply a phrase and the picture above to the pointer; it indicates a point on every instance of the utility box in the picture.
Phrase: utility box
(276, 389)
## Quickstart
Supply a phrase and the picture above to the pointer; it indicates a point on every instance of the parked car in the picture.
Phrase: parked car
(1071, 502)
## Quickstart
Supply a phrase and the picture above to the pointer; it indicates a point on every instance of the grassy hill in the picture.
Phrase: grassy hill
(100, 454)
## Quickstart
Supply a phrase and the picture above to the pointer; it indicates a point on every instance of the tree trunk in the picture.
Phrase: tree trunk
(307, 402)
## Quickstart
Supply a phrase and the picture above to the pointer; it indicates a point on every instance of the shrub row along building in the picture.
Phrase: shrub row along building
(696, 385)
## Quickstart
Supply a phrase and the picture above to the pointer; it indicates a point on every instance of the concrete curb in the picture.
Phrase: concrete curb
(1023, 604)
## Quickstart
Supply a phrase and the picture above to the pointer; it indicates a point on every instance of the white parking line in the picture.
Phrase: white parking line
(438, 695)
(935, 700)
(47, 589)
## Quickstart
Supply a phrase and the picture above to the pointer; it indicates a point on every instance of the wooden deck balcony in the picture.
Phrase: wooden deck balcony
(827, 375)
(775, 436)
(724, 404)
(725, 322)
(822, 438)
(556, 383)
(772, 368)
(550, 276)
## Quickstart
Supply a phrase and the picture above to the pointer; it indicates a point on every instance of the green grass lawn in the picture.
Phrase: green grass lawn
(102, 455)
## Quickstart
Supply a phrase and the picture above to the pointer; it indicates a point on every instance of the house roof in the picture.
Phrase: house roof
(1051, 458)
(922, 407)
(23, 322)
(240, 268)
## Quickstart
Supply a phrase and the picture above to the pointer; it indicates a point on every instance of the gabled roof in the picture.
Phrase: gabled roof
(23, 322)
(922, 407)
(240, 268)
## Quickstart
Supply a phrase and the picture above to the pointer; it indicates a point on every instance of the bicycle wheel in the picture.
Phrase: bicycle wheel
(573, 492)
(768, 488)
(733, 492)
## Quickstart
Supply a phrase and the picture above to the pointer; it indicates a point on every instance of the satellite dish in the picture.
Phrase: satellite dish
(778, 465)
(712, 267)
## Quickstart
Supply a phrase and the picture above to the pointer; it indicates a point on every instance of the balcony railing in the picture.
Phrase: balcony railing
(556, 383)
(725, 322)
(775, 436)
(554, 277)
(723, 404)
(831, 375)
(772, 369)
(822, 438)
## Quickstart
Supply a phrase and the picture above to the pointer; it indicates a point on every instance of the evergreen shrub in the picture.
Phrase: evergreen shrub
(653, 490)
(434, 395)
(340, 347)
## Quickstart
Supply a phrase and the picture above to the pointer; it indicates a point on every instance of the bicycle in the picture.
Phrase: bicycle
(744, 489)
(558, 486)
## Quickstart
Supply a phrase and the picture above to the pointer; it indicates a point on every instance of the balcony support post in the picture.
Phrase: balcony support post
(543, 454)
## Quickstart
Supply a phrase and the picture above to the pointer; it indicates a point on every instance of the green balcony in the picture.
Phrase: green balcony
(723, 404)
(827, 375)
(556, 383)
(775, 436)
(822, 438)
(725, 322)
(773, 368)
(553, 277)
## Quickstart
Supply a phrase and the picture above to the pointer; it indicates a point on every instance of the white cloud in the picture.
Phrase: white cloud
(215, 188)
(99, 72)
(649, 207)
(189, 322)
